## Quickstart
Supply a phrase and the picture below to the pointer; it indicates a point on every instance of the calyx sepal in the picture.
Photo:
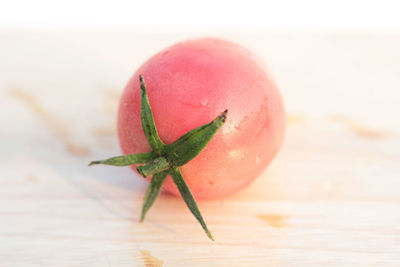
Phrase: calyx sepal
(165, 160)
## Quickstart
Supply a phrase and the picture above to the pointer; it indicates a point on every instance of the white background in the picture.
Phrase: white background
(173, 15)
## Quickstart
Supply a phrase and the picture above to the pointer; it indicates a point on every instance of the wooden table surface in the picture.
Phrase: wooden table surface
(331, 197)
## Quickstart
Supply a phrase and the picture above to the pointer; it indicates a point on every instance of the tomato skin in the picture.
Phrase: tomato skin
(191, 83)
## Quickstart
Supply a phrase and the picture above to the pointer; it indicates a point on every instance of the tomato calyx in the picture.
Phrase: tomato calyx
(164, 159)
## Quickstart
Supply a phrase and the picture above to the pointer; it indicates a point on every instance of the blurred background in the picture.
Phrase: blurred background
(176, 15)
(331, 197)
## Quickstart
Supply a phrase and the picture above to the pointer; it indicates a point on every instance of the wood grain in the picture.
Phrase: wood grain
(331, 197)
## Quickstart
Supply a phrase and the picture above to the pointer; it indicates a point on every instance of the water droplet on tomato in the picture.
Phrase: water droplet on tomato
(204, 103)
(236, 154)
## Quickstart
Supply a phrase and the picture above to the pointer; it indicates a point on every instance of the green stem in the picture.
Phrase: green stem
(164, 159)
(125, 160)
(148, 124)
(188, 198)
(157, 165)
(192, 143)
(152, 192)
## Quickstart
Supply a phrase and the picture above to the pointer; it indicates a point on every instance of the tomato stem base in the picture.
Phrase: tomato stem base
(165, 160)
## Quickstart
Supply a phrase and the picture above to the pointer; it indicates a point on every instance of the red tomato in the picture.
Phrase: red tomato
(189, 84)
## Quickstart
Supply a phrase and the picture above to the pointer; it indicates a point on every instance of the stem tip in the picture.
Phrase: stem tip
(140, 171)
(209, 234)
(94, 163)
(224, 115)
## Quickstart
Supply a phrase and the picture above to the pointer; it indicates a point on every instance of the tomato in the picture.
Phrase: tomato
(189, 84)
